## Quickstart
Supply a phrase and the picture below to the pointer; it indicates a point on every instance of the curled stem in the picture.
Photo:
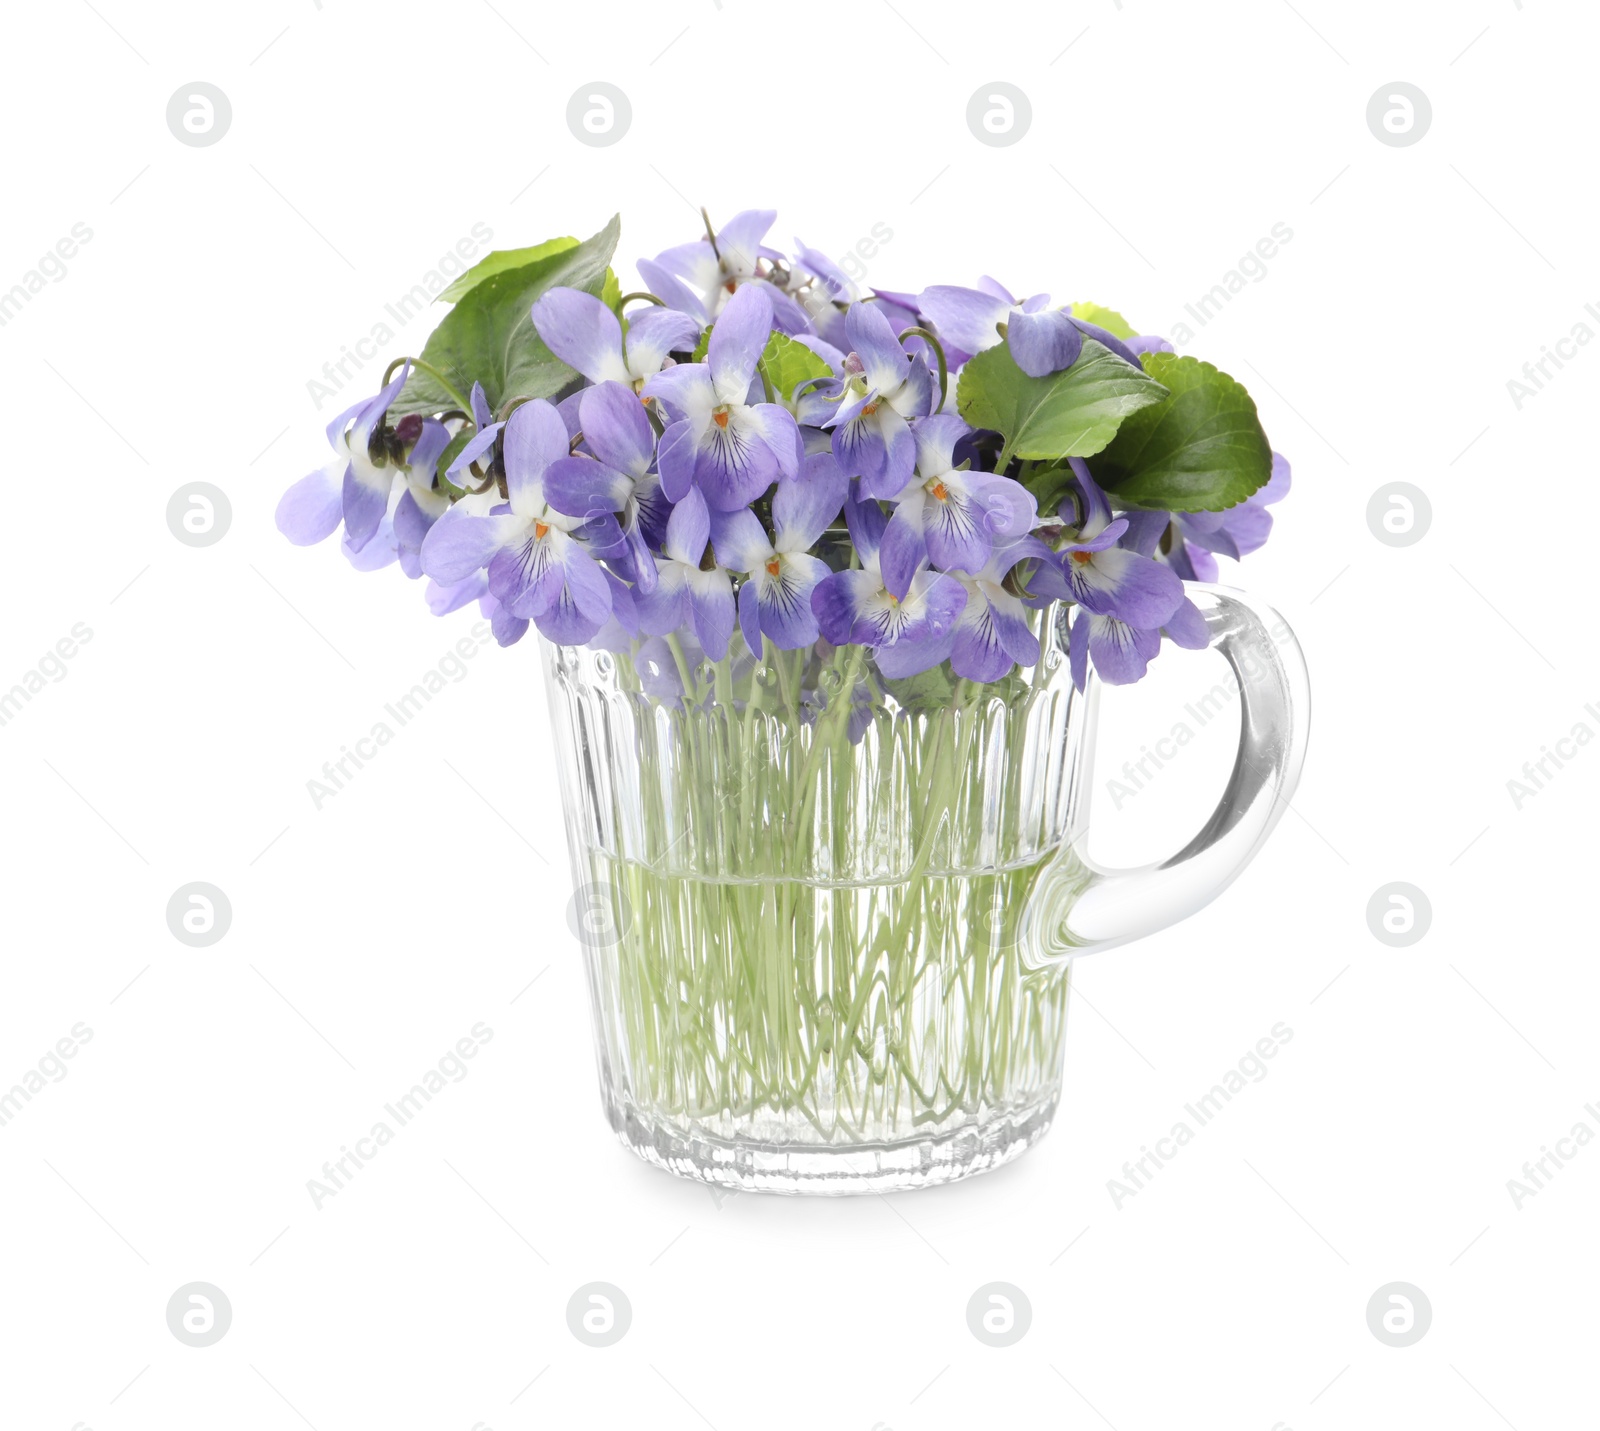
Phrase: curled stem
(628, 298)
(432, 372)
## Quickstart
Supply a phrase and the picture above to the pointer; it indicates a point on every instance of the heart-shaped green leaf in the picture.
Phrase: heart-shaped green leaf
(489, 337)
(499, 261)
(1072, 413)
(1200, 450)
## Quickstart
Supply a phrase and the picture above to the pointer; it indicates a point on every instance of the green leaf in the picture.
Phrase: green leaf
(1200, 450)
(1049, 486)
(702, 347)
(611, 292)
(489, 336)
(931, 690)
(1073, 413)
(789, 364)
(1108, 318)
(498, 262)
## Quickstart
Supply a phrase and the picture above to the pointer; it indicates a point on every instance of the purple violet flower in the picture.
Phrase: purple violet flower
(617, 480)
(1043, 339)
(713, 271)
(872, 434)
(732, 449)
(780, 573)
(580, 330)
(370, 473)
(687, 592)
(857, 605)
(991, 635)
(539, 567)
(954, 519)
(422, 503)
(1111, 580)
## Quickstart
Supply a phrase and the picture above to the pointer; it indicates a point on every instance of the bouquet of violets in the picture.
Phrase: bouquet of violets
(750, 452)
(811, 566)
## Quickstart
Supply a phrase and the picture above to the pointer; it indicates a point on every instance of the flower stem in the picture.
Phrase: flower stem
(432, 372)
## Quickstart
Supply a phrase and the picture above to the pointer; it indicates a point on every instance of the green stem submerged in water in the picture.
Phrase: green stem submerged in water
(815, 910)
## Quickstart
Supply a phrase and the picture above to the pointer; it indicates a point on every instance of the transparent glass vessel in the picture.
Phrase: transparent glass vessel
(829, 918)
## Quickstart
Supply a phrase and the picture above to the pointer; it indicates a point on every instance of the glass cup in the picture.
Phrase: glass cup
(829, 918)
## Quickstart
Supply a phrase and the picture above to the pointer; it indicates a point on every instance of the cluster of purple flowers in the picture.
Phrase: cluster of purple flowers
(675, 490)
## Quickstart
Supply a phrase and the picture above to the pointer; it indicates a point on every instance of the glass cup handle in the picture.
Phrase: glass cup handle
(1080, 907)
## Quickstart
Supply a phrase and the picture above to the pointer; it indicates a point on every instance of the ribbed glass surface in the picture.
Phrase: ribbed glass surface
(802, 897)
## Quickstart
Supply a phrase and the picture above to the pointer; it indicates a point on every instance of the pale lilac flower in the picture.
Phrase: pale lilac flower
(872, 434)
(780, 573)
(713, 271)
(1233, 532)
(732, 449)
(953, 519)
(442, 600)
(992, 633)
(352, 487)
(617, 480)
(538, 566)
(857, 605)
(1111, 580)
(1043, 340)
(1121, 653)
(585, 334)
(422, 503)
(370, 473)
(689, 592)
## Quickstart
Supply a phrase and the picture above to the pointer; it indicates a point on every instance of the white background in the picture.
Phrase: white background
(369, 935)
